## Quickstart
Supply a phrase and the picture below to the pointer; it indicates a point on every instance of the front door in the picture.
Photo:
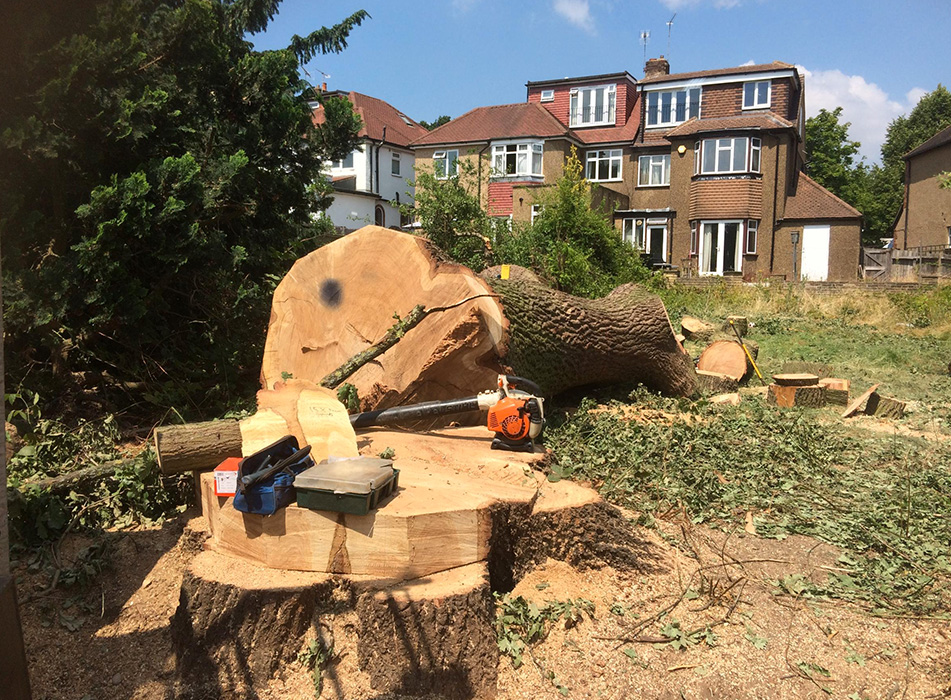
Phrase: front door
(657, 243)
(720, 247)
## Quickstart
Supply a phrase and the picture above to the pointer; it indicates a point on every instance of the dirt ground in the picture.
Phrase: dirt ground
(112, 640)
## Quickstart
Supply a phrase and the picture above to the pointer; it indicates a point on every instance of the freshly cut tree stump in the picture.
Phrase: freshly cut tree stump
(740, 323)
(835, 383)
(724, 357)
(796, 379)
(716, 383)
(342, 298)
(884, 407)
(837, 390)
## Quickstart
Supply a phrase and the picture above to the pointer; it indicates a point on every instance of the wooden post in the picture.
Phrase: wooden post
(13, 668)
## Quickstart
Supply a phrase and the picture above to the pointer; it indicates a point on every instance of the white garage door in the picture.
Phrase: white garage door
(815, 253)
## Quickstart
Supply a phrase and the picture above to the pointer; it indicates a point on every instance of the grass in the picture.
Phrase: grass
(884, 500)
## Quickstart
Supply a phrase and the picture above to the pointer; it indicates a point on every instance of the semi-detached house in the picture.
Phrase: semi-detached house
(702, 171)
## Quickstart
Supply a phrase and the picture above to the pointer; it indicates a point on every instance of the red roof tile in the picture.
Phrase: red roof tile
(612, 134)
(813, 201)
(939, 139)
(498, 122)
(753, 121)
(739, 71)
(377, 114)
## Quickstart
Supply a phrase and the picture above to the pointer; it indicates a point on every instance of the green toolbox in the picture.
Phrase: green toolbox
(355, 486)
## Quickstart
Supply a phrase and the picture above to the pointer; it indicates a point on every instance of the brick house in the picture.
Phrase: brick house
(703, 170)
(370, 182)
(925, 216)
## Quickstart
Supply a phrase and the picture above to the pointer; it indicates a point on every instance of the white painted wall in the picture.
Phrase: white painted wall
(815, 253)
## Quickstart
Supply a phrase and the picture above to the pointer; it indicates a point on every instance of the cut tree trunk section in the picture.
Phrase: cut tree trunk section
(726, 357)
(342, 298)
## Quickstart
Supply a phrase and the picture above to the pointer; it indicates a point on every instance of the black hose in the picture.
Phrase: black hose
(408, 414)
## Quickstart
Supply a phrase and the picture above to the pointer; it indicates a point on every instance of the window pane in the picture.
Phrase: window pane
(453, 162)
(755, 155)
(681, 107)
(694, 95)
(739, 155)
(615, 169)
(536, 162)
(652, 98)
(666, 99)
(575, 117)
(611, 98)
(643, 175)
(762, 93)
(749, 94)
(709, 155)
(724, 156)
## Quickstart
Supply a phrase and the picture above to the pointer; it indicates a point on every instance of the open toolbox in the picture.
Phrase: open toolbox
(267, 496)
(356, 485)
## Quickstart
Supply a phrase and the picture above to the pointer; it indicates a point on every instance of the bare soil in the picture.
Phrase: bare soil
(112, 640)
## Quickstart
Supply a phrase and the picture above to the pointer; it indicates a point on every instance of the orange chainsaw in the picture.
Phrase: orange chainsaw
(516, 416)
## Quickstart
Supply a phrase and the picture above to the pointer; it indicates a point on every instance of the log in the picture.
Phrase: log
(789, 396)
(724, 357)
(695, 329)
(342, 298)
(859, 402)
(740, 323)
(716, 383)
(837, 390)
(196, 446)
(796, 379)
(884, 407)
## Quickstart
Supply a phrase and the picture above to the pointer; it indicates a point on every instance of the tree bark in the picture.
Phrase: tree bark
(196, 446)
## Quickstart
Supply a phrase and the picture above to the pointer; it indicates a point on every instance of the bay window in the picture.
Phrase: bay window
(593, 106)
(514, 159)
(601, 166)
(446, 164)
(672, 107)
(653, 171)
(731, 154)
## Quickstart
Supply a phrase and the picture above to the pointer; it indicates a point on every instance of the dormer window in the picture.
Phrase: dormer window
(756, 94)
(548, 96)
(672, 107)
(593, 106)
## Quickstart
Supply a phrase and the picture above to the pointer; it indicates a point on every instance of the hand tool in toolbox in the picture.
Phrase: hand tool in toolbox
(516, 416)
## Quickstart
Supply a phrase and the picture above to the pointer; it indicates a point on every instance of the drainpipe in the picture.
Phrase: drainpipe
(479, 188)
(907, 194)
(378, 160)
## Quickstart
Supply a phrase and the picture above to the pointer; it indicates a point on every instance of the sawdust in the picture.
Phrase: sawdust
(763, 645)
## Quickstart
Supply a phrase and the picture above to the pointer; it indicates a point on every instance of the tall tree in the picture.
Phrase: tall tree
(444, 119)
(830, 153)
(156, 175)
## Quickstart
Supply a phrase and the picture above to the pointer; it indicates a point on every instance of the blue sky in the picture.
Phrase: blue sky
(872, 57)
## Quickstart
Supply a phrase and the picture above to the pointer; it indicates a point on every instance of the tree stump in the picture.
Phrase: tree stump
(716, 383)
(695, 329)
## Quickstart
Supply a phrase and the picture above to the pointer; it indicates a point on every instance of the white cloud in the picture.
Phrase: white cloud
(867, 106)
(577, 12)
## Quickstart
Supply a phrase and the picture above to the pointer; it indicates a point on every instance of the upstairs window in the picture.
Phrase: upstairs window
(514, 159)
(653, 171)
(446, 164)
(672, 107)
(729, 155)
(756, 94)
(345, 162)
(593, 106)
(603, 166)
(548, 96)
(395, 164)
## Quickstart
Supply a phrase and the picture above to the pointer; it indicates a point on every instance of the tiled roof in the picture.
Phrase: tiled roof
(752, 121)
(717, 72)
(726, 199)
(612, 134)
(939, 139)
(813, 201)
(498, 122)
(377, 114)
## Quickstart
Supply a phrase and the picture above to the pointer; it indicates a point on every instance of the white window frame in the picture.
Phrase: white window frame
(579, 116)
(752, 151)
(536, 212)
(756, 102)
(633, 232)
(752, 237)
(341, 164)
(675, 99)
(652, 161)
(395, 165)
(609, 157)
(718, 253)
(450, 161)
(653, 224)
(547, 96)
(525, 153)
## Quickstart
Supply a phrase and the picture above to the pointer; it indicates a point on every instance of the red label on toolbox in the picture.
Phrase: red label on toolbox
(226, 477)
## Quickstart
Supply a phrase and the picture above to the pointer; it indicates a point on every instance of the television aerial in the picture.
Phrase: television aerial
(670, 23)
(645, 37)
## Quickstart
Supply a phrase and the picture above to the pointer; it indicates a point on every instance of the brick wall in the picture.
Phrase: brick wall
(727, 100)
(625, 100)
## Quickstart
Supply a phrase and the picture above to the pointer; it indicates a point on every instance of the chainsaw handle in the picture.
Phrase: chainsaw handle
(524, 384)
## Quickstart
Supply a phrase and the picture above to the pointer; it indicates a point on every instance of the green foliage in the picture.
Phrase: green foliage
(521, 624)
(314, 658)
(449, 213)
(830, 154)
(348, 396)
(881, 501)
(681, 639)
(158, 177)
(570, 245)
(443, 119)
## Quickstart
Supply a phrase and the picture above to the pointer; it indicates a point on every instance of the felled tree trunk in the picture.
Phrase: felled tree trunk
(342, 298)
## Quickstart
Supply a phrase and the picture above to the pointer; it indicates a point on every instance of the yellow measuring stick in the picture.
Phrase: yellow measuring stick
(746, 350)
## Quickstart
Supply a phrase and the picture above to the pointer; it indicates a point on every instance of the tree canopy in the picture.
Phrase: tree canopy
(830, 153)
(158, 175)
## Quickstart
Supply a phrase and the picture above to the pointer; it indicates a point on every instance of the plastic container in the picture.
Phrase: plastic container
(267, 497)
(354, 486)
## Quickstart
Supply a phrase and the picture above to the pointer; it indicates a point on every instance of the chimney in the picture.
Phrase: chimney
(656, 67)
(323, 87)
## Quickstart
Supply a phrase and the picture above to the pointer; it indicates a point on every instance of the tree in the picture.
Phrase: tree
(158, 175)
(905, 133)
(830, 154)
(444, 119)
(571, 245)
